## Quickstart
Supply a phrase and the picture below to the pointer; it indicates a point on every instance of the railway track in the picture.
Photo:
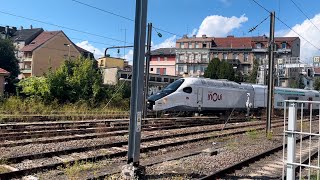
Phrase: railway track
(27, 131)
(266, 165)
(119, 149)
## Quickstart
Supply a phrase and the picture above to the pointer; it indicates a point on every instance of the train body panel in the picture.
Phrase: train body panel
(199, 94)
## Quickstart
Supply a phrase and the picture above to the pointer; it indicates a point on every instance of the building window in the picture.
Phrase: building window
(159, 79)
(158, 71)
(284, 45)
(197, 45)
(181, 58)
(182, 45)
(158, 59)
(258, 46)
(245, 69)
(164, 71)
(203, 68)
(165, 59)
(204, 57)
(152, 79)
(180, 69)
(190, 45)
(246, 57)
(196, 57)
(171, 80)
(190, 57)
(225, 56)
(204, 45)
(215, 55)
(235, 56)
(151, 69)
(124, 76)
(165, 80)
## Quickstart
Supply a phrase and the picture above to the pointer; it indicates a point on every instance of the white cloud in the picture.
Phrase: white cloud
(307, 30)
(89, 47)
(280, 33)
(129, 56)
(219, 26)
(194, 32)
(170, 42)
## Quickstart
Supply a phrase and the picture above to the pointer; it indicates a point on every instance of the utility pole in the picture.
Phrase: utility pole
(270, 75)
(133, 168)
(146, 88)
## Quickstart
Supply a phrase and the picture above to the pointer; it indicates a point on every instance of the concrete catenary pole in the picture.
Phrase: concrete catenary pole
(136, 103)
(270, 73)
(146, 88)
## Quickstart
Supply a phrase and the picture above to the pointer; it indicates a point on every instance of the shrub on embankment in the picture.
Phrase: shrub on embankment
(76, 86)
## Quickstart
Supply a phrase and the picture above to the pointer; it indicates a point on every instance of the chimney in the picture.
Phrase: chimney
(185, 36)
(21, 27)
(31, 26)
(204, 36)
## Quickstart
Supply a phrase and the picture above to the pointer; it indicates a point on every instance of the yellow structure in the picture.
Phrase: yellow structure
(111, 62)
(48, 50)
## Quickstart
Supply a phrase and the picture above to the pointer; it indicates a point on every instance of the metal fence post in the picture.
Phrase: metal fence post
(291, 141)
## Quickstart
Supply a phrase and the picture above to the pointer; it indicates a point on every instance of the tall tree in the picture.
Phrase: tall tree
(253, 74)
(213, 69)
(220, 70)
(317, 83)
(9, 62)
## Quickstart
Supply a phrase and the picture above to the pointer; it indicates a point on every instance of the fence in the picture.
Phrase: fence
(302, 139)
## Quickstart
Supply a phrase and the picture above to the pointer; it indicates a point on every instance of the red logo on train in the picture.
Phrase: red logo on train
(214, 97)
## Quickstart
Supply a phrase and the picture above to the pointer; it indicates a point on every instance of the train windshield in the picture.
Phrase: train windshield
(167, 90)
(174, 86)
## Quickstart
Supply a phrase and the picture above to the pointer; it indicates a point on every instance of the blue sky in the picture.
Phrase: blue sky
(213, 17)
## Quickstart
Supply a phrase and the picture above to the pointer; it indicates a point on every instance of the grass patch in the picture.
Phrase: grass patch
(74, 172)
(252, 133)
(3, 169)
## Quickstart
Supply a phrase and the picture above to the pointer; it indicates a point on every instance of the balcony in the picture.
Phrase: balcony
(27, 59)
(26, 71)
(263, 50)
(283, 51)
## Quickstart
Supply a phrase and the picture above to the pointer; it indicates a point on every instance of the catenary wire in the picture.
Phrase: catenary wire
(286, 25)
(60, 26)
(121, 16)
(304, 14)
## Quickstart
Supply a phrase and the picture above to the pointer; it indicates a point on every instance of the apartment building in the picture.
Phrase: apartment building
(48, 51)
(163, 61)
(194, 53)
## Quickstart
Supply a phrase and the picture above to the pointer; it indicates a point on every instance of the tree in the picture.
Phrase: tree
(9, 62)
(253, 74)
(220, 70)
(212, 69)
(73, 81)
(317, 84)
(297, 82)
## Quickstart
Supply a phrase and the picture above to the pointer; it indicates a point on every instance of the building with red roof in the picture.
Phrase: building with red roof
(194, 53)
(48, 51)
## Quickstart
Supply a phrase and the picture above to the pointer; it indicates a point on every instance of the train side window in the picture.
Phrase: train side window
(187, 90)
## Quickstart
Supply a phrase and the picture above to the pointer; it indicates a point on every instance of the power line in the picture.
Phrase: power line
(252, 29)
(286, 25)
(64, 27)
(305, 15)
(121, 16)
(109, 12)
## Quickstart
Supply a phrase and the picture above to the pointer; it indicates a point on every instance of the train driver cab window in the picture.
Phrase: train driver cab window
(187, 90)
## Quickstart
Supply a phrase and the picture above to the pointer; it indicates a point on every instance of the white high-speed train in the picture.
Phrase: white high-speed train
(200, 94)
